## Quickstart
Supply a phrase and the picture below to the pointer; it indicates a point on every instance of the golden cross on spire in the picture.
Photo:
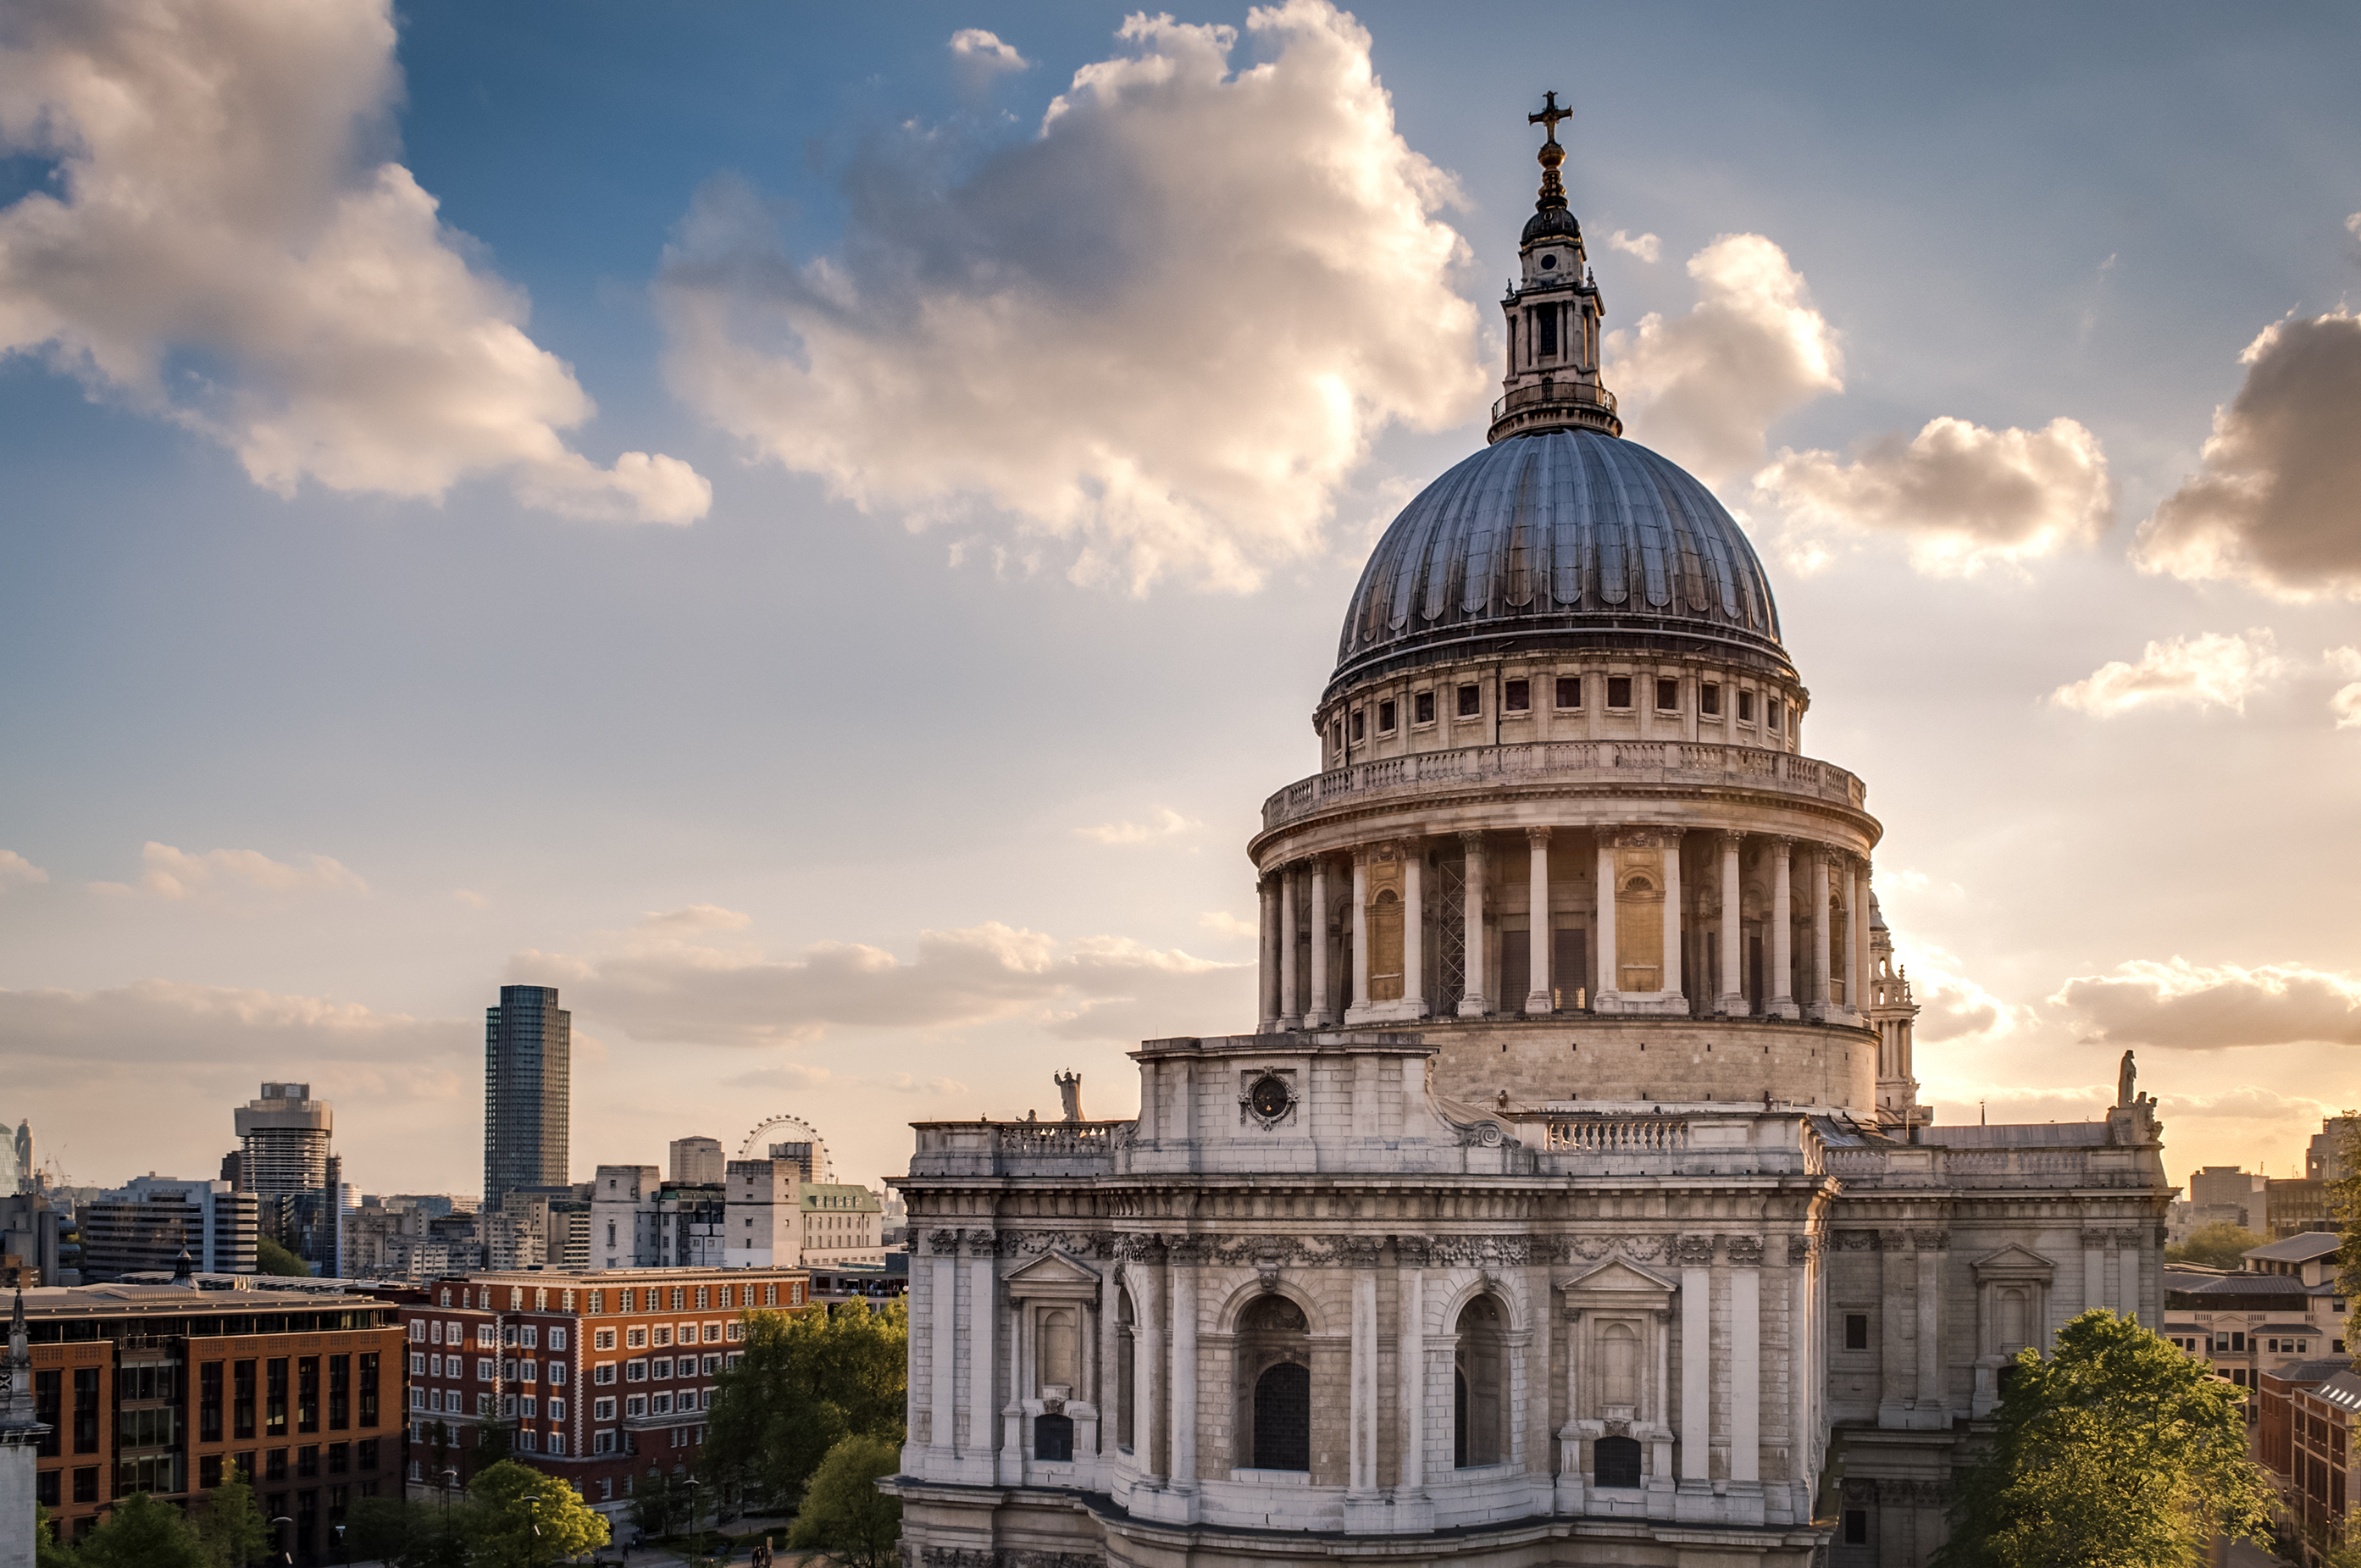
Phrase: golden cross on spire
(1550, 115)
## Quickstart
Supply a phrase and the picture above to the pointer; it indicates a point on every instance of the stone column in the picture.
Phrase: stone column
(1803, 1371)
(1269, 979)
(1537, 936)
(1607, 976)
(1184, 1472)
(1782, 921)
(1932, 1394)
(1670, 840)
(1361, 1476)
(1861, 927)
(2094, 1269)
(1732, 1001)
(1147, 1362)
(942, 1392)
(1471, 1000)
(1011, 1413)
(1410, 1254)
(1291, 997)
(1317, 1015)
(983, 1382)
(1746, 1373)
(1360, 935)
(1413, 929)
(1816, 885)
(1854, 919)
(1696, 1254)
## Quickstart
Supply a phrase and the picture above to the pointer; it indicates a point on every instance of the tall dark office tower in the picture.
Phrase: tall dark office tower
(527, 1092)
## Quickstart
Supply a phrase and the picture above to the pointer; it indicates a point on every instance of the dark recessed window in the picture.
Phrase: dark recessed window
(1569, 691)
(1549, 263)
(1337, 740)
(1668, 696)
(1470, 702)
(1709, 700)
(1360, 731)
(1746, 708)
(1386, 718)
(1771, 707)
(1547, 316)
(1619, 691)
(1422, 707)
(1517, 696)
(1856, 1526)
(1856, 1331)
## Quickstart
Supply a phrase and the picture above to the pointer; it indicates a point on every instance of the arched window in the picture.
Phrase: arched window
(1480, 1385)
(1126, 1355)
(1274, 1365)
(1615, 1462)
(1053, 1437)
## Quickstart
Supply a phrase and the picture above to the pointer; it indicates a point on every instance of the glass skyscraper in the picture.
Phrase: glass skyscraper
(527, 1053)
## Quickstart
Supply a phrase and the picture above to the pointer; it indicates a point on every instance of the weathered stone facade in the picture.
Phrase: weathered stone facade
(1571, 1202)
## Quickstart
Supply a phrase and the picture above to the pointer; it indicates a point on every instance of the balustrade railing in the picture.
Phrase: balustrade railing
(1563, 762)
(1610, 1134)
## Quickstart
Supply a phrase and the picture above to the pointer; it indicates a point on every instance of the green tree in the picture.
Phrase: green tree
(231, 1528)
(270, 1257)
(141, 1533)
(844, 1514)
(518, 1517)
(493, 1444)
(804, 1382)
(2117, 1452)
(2218, 1245)
(660, 1505)
(2344, 1203)
(48, 1550)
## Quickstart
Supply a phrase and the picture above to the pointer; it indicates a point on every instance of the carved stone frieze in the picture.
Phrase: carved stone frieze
(1745, 1251)
(1931, 1241)
(1360, 1252)
(1693, 1252)
(1856, 1240)
(1138, 1246)
(943, 1244)
(1410, 1251)
(1893, 1241)
(983, 1244)
(2094, 1241)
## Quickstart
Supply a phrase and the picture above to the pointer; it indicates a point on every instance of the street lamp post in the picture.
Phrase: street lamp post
(693, 1509)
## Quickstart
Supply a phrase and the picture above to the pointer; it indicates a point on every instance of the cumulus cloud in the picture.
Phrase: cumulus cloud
(1963, 495)
(985, 51)
(661, 987)
(2185, 1006)
(175, 873)
(1146, 333)
(2272, 503)
(15, 870)
(226, 246)
(1703, 387)
(2215, 670)
(1222, 923)
(1165, 823)
(1646, 246)
(2345, 663)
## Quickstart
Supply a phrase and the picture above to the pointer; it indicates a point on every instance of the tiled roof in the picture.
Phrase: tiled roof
(2343, 1390)
(2302, 1247)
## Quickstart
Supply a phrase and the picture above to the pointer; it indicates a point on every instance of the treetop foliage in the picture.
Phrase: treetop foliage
(804, 1382)
(2220, 1244)
(2116, 1451)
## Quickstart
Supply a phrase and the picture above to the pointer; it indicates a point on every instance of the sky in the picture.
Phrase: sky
(813, 530)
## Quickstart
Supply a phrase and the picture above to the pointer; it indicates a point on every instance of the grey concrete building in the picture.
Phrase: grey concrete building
(144, 1227)
(284, 1137)
(1571, 1200)
(528, 1092)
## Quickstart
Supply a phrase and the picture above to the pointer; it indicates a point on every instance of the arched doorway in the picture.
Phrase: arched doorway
(1479, 1405)
(1274, 1365)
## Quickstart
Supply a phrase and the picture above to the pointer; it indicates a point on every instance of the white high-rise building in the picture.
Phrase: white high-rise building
(284, 1136)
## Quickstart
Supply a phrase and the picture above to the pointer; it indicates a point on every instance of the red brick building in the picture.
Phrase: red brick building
(167, 1390)
(599, 1378)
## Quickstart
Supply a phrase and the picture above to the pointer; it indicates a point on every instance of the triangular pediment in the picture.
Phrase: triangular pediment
(1618, 1274)
(2013, 1261)
(1053, 1273)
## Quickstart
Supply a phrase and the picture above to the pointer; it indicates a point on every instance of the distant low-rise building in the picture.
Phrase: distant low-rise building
(2297, 1205)
(2281, 1308)
(146, 1224)
(843, 1224)
(698, 1161)
(171, 1388)
(601, 1379)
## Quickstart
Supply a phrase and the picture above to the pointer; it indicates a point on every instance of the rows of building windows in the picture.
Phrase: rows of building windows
(630, 1298)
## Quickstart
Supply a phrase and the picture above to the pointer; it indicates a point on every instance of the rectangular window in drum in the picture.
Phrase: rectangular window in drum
(1386, 718)
(1569, 691)
(1422, 709)
(1471, 701)
(1517, 696)
(1619, 691)
(1668, 696)
(1856, 1331)
(1709, 699)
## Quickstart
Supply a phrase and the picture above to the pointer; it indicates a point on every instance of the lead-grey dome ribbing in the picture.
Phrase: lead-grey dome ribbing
(1550, 536)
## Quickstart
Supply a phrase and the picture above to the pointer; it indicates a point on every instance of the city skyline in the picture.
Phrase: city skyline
(312, 742)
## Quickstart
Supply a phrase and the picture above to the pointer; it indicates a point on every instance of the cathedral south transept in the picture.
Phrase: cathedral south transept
(1570, 1200)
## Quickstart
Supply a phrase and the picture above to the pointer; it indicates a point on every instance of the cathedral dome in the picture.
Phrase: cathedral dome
(1569, 538)
(1550, 221)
